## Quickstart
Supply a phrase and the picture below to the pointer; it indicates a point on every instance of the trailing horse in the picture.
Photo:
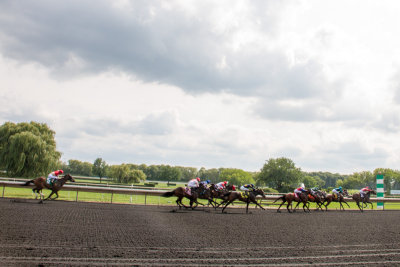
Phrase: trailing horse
(180, 193)
(41, 183)
(357, 198)
(247, 197)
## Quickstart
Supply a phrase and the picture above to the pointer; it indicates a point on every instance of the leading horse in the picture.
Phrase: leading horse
(41, 183)
(364, 200)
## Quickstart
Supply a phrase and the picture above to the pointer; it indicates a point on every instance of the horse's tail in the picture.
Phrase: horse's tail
(168, 194)
(27, 183)
(279, 198)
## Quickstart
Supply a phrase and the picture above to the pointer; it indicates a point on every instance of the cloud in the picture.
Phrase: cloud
(197, 54)
(215, 84)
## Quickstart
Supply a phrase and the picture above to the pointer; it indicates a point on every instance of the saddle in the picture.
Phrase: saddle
(188, 191)
(245, 194)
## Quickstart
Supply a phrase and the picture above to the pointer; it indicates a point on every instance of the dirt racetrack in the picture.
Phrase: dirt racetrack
(89, 234)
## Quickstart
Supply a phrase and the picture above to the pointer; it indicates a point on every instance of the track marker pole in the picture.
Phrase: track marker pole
(380, 192)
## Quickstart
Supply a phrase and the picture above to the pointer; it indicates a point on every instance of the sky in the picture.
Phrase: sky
(209, 84)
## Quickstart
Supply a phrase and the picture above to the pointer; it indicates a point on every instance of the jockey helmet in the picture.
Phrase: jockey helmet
(208, 181)
(225, 182)
(233, 188)
(198, 179)
(60, 171)
(340, 187)
(252, 185)
(367, 187)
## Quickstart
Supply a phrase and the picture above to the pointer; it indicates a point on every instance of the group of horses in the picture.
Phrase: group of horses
(216, 197)
(226, 196)
(322, 199)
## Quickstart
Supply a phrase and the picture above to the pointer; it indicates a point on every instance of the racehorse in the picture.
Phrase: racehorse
(221, 193)
(318, 197)
(330, 197)
(247, 197)
(357, 198)
(182, 192)
(206, 193)
(291, 197)
(41, 183)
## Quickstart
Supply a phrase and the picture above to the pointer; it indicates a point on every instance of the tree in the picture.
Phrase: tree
(123, 174)
(28, 149)
(99, 168)
(237, 176)
(281, 174)
(310, 181)
(80, 168)
(211, 174)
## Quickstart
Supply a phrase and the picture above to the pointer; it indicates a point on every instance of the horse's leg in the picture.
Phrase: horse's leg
(328, 201)
(229, 202)
(358, 205)
(281, 205)
(178, 202)
(49, 195)
(287, 206)
(33, 190)
(372, 205)
(305, 206)
(247, 207)
(257, 204)
(344, 201)
(298, 203)
(56, 195)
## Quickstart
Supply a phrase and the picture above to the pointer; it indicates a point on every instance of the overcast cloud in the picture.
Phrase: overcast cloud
(213, 84)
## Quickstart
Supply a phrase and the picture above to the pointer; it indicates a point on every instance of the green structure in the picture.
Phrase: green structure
(380, 193)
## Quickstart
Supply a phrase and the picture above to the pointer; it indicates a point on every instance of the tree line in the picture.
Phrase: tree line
(29, 150)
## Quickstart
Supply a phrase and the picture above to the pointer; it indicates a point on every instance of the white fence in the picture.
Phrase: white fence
(145, 192)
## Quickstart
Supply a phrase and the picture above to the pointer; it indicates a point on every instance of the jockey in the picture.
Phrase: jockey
(247, 187)
(337, 191)
(221, 185)
(193, 184)
(298, 191)
(364, 191)
(53, 176)
(314, 190)
(205, 183)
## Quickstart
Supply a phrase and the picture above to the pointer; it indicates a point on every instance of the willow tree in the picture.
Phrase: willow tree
(27, 149)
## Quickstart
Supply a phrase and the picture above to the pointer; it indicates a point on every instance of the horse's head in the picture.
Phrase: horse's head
(345, 193)
(259, 191)
(68, 177)
(231, 187)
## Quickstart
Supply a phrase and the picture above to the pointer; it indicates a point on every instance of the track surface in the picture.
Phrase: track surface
(89, 234)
